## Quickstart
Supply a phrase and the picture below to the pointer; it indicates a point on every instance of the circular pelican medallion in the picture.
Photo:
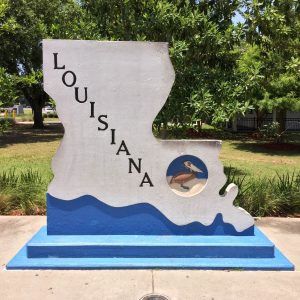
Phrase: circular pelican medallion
(187, 175)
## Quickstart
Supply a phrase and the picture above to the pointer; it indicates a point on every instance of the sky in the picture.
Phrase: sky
(237, 18)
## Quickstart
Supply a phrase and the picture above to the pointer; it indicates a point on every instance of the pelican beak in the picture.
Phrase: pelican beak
(194, 168)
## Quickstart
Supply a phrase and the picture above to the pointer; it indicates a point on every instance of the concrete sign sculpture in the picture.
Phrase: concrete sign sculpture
(117, 189)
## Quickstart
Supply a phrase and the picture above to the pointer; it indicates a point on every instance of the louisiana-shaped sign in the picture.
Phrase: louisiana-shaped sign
(109, 167)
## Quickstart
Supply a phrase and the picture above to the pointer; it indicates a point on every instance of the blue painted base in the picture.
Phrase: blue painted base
(145, 252)
(87, 215)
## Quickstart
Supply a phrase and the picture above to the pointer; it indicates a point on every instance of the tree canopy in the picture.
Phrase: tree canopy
(272, 30)
(222, 69)
(23, 26)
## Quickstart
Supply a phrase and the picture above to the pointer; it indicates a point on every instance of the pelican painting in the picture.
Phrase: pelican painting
(183, 177)
(187, 175)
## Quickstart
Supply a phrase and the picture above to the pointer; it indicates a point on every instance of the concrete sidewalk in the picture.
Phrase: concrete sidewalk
(133, 284)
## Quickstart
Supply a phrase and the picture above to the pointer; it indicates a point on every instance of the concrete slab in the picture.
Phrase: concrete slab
(15, 285)
(15, 232)
(126, 284)
(102, 285)
(285, 234)
(191, 285)
(222, 285)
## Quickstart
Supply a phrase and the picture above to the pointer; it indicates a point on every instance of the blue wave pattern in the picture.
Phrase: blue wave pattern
(87, 215)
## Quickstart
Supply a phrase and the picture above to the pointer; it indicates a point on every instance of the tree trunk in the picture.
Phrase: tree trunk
(274, 115)
(281, 120)
(38, 117)
(260, 116)
(199, 125)
(234, 124)
(37, 99)
(37, 107)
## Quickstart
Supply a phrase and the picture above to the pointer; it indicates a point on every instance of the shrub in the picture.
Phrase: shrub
(6, 124)
(263, 196)
(24, 192)
(50, 115)
(270, 131)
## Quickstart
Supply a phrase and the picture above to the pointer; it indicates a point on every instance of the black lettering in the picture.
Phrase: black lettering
(92, 115)
(64, 78)
(102, 122)
(77, 97)
(56, 67)
(113, 134)
(123, 148)
(132, 163)
(146, 176)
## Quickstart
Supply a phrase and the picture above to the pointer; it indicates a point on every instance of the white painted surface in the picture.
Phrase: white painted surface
(129, 82)
(195, 187)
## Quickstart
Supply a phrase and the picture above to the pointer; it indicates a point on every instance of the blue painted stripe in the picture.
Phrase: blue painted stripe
(43, 245)
(80, 251)
(41, 237)
(22, 262)
(87, 215)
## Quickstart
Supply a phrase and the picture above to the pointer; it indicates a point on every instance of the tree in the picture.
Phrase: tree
(221, 70)
(201, 40)
(8, 92)
(273, 29)
(23, 26)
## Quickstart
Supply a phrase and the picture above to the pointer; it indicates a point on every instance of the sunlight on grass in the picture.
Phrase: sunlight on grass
(254, 161)
(27, 150)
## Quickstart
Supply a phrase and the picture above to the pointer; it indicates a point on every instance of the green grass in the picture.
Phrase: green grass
(22, 193)
(26, 150)
(26, 159)
(252, 159)
(278, 195)
(28, 117)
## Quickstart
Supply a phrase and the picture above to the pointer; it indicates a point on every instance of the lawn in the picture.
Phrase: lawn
(24, 149)
(28, 116)
(253, 159)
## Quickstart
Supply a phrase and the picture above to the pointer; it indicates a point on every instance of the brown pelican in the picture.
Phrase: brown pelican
(183, 177)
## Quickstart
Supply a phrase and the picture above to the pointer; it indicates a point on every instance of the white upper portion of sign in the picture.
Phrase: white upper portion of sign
(129, 83)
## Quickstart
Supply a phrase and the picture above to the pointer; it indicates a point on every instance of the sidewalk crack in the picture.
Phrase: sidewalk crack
(152, 273)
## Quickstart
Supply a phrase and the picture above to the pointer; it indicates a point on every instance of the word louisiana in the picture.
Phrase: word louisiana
(69, 79)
